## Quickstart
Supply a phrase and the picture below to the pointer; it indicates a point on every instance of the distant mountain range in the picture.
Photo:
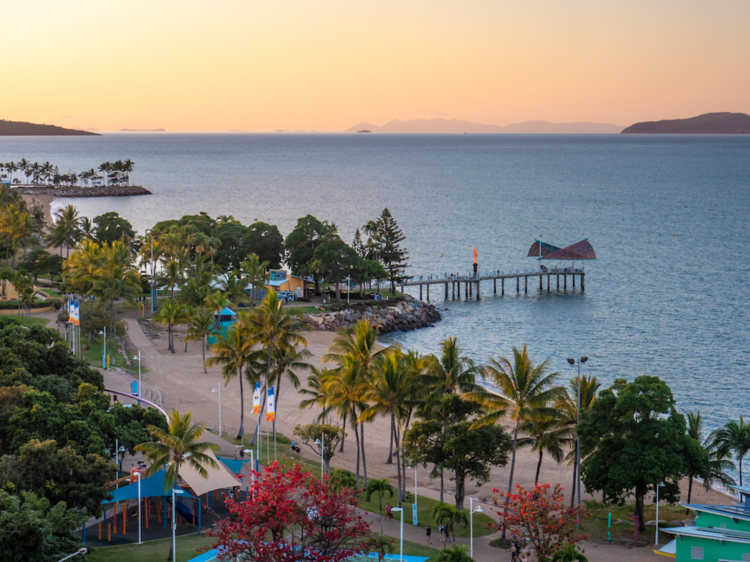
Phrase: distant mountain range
(440, 125)
(706, 124)
(21, 128)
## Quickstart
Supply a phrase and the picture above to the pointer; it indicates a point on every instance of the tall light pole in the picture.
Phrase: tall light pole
(174, 523)
(471, 521)
(322, 450)
(348, 287)
(578, 421)
(252, 463)
(401, 551)
(104, 348)
(219, 391)
(140, 388)
(415, 517)
(138, 474)
(659, 485)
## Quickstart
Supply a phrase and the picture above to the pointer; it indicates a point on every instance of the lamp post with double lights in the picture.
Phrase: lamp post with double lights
(578, 421)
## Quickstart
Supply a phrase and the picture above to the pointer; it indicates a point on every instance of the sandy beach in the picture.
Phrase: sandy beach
(45, 201)
(180, 379)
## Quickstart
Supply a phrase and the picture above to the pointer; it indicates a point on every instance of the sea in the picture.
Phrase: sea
(668, 217)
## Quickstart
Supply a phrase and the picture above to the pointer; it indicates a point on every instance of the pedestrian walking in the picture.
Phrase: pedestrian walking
(429, 535)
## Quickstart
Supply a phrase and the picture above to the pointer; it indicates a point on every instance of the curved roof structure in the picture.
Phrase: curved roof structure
(582, 250)
(534, 251)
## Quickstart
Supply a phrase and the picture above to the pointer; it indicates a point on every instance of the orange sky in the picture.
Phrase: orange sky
(325, 65)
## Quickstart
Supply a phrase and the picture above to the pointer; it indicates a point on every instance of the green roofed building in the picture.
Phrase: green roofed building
(721, 533)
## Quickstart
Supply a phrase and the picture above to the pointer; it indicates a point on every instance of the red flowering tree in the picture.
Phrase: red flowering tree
(540, 515)
(292, 517)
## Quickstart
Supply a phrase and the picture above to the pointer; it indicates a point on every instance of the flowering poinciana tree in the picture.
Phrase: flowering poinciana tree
(292, 517)
(540, 516)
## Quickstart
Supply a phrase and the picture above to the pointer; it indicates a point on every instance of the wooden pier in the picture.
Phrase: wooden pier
(472, 285)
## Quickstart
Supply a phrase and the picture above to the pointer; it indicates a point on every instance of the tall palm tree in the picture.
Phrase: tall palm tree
(171, 275)
(202, 325)
(23, 166)
(567, 404)
(255, 271)
(354, 348)
(234, 287)
(391, 393)
(735, 436)
(524, 390)
(67, 229)
(269, 326)
(719, 455)
(178, 445)
(379, 487)
(546, 434)
(115, 279)
(169, 313)
(318, 399)
(232, 351)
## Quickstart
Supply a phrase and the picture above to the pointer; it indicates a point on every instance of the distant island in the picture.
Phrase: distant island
(22, 129)
(440, 125)
(143, 130)
(706, 124)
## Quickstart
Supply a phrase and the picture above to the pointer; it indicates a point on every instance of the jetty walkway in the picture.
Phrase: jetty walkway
(472, 284)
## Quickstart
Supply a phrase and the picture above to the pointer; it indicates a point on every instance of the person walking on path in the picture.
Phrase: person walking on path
(429, 535)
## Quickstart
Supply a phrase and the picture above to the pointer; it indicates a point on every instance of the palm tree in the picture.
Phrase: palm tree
(171, 275)
(67, 229)
(178, 445)
(354, 349)
(314, 389)
(269, 326)
(193, 293)
(255, 271)
(379, 487)
(234, 288)
(448, 516)
(169, 313)
(525, 390)
(446, 375)
(719, 455)
(23, 166)
(735, 436)
(11, 167)
(115, 278)
(456, 553)
(86, 226)
(567, 404)
(232, 351)
(202, 325)
(546, 434)
(391, 393)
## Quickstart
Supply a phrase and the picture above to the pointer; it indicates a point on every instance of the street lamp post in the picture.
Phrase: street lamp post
(659, 485)
(471, 522)
(140, 388)
(138, 474)
(348, 287)
(322, 452)
(121, 451)
(252, 463)
(401, 551)
(415, 516)
(219, 391)
(104, 348)
(174, 523)
(578, 421)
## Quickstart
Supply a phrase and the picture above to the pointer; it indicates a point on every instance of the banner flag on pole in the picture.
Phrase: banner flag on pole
(271, 413)
(70, 312)
(256, 400)
(77, 319)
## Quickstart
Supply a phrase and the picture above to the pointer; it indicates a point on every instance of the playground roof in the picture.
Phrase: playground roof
(150, 486)
(579, 251)
(217, 479)
(234, 465)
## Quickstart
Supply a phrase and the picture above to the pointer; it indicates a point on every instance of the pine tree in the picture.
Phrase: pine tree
(386, 236)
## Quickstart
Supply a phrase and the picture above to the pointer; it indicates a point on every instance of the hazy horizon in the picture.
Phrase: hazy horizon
(194, 67)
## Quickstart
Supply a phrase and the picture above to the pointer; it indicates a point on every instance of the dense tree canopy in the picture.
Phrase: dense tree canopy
(110, 227)
(634, 438)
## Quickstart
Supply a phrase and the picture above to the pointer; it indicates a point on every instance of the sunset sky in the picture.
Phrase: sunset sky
(328, 64)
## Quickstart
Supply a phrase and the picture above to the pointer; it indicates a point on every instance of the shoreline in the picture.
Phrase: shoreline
(127, 191)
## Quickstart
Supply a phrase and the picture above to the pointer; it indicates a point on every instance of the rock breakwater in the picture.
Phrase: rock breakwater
(388, 316)
(110, 191)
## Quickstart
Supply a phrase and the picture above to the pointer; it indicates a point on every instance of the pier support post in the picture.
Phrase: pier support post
(549, 278)
(558, 281)
(518, 285)
(583, 281)
(502, 286)
(565, 281)
(420, 291)
(458, 286)
(428, 292)
(446, 291)
(526, 284)
(541, 282)
(495, 281)
(468, 289)
(574, 280)
(478, 291)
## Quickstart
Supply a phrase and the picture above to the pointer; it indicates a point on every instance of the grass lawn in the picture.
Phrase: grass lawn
(424, 513)
(188, 545)
(597, 525)
(94, 355)
(28, 322)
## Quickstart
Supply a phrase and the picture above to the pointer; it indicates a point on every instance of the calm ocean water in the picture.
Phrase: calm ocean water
(667, 216)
